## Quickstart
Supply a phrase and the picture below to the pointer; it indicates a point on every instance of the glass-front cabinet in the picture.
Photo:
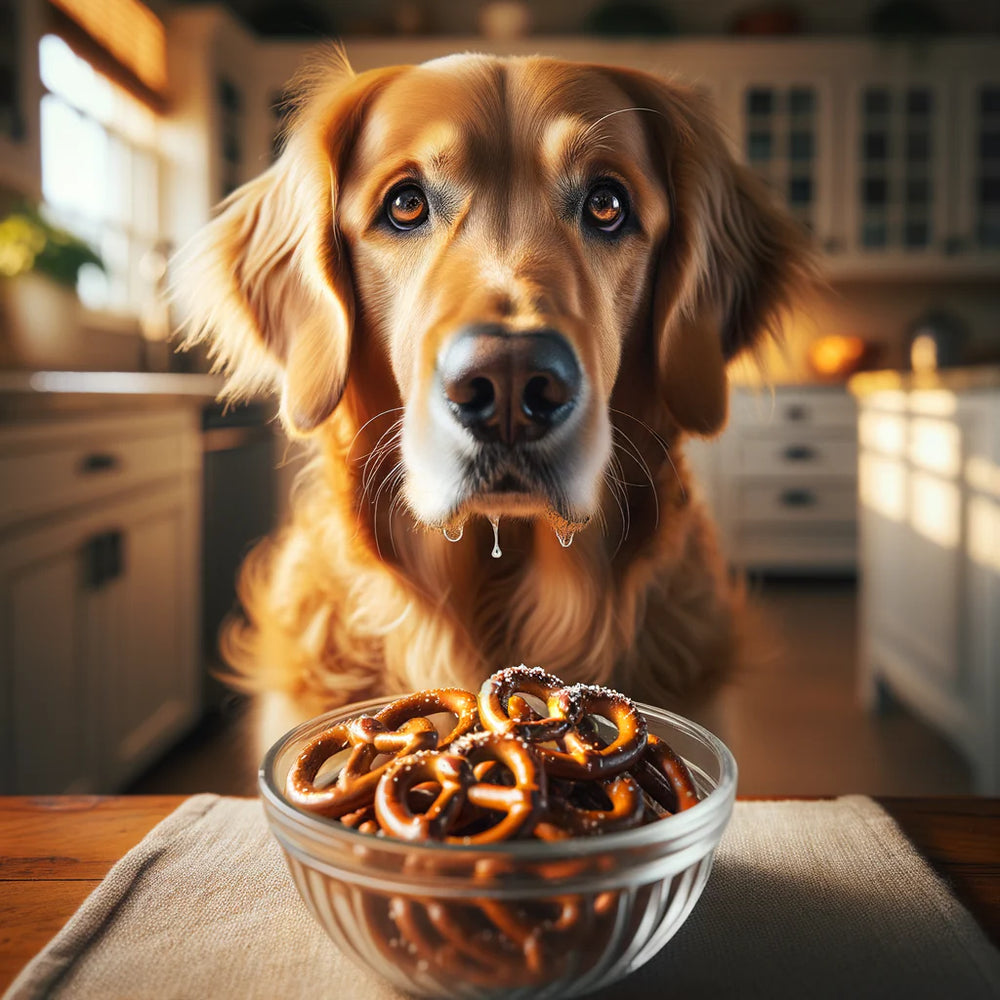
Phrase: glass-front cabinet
(785, 139)
(978, 209)
(899, 180)
(890, 155)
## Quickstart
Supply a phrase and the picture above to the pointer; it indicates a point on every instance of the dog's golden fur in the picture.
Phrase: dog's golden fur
(300, 290)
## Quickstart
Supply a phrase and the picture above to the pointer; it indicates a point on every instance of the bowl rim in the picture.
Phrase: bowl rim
(714, 808)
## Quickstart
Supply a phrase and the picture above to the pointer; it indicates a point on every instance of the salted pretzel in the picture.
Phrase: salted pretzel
(462, 704)
(441, 936)
(356, 783)
(495, 697)
(580, 757)
(665, 777)
(565, 818)
(520, 805)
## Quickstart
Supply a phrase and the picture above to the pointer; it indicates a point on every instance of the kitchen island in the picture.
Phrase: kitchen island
(929, 494)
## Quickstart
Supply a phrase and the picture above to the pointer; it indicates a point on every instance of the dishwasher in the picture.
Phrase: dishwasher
(240, 506)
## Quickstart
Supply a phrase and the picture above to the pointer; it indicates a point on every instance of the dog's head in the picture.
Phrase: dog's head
(496, 247)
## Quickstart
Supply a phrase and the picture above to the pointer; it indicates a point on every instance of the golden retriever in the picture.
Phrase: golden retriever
(491, 288)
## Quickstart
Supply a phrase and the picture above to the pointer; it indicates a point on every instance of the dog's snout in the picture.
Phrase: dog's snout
(509, 387)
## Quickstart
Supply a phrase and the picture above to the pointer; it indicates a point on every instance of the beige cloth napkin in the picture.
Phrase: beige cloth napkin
(807, 899)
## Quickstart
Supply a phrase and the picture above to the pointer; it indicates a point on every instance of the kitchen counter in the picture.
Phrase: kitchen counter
(951, 379)
(38, 395)
(54, 851)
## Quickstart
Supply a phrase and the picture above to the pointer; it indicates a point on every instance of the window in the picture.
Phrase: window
(101, 175)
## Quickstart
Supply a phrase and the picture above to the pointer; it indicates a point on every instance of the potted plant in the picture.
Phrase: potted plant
(39, 309)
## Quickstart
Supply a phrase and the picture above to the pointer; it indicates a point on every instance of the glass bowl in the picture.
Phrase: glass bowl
(517, 919)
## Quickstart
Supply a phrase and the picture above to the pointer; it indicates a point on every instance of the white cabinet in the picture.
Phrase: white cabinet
(787, 136)
(898, 173)
(889, 152)
(891, 158)
(781, 480)
(98, 598)
(930, 561)
(977, 223)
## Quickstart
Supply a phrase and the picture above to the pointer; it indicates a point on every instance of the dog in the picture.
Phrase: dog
(495, 296)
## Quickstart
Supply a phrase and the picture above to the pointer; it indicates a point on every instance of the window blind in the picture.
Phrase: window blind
(123, 39)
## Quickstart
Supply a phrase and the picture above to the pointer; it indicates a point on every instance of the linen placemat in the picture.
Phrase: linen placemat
(806, 899)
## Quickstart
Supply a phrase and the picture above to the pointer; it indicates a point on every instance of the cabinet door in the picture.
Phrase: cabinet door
(898, 171)
(144, 636)
(977, 205)
(98, 639)
(44, 714)
(785, 129)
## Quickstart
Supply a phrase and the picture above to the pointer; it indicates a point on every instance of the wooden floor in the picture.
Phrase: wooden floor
(792, 719)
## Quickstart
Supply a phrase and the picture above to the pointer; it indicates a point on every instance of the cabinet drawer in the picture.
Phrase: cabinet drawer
(57, 467)
(794, 408)
(798, 501)
(796, 546)
(799, 456)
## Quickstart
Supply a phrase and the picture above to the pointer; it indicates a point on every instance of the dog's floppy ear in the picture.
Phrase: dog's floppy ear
(729, 264)
(267, 282)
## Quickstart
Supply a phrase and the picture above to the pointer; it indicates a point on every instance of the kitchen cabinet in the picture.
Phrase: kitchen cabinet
(787, 137)
(887, 151)
(898, 172)
(99, 597)
(781, 480)
(977, 226)
(930, 558)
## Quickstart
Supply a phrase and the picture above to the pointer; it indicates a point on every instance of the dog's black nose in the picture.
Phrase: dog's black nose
(509, 387)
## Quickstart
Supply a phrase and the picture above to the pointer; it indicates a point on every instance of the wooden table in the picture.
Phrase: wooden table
(54, 851)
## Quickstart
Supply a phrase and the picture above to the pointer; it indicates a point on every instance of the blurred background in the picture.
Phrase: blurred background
(857, 484)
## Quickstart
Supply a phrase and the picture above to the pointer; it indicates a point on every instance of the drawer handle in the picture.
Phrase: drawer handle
(104, 558)
(99, 461)
(797, 412)
(799, 453)
(798, 498)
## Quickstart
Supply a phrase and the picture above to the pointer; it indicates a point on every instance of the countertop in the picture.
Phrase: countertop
(55, 850)
(110, 383)
(30, 395)
(975, 379)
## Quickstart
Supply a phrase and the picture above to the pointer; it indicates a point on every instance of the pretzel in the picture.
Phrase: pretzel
(520, 804)
(583, 757)
(665, 777)
(453, 775)
(495, 704)
(462, 704)
(567, 819)
(356, 783)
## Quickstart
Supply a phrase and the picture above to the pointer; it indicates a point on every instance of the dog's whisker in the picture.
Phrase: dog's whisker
(379, 452)
(659, 440)
(383, 413)
(620, 111)
(395, 505)
(387, 449)
(620, 497)
(386, 482)
(380, 445)
(637, 455)
(652, 431)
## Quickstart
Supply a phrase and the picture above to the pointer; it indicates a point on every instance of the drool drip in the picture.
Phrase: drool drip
(565, 538)
(495, 521)
(457, 537)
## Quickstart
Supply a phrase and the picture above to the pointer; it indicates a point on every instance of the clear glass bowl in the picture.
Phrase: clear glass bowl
(515, 920)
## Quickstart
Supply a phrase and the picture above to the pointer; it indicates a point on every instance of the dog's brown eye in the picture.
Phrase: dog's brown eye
(406, 206)
(605, 208)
